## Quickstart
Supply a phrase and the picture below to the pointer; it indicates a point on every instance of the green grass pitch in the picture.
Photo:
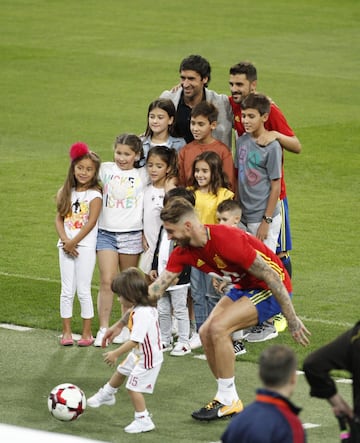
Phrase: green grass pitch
(87, 70)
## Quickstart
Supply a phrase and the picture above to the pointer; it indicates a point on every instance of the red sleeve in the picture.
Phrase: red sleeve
(277, 122)
(179, 258)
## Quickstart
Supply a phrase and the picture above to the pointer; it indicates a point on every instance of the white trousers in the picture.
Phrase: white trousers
(273, 234)
(76, 276)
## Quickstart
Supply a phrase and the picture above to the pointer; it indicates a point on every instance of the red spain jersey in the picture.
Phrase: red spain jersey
(275, 122)
(229, 252)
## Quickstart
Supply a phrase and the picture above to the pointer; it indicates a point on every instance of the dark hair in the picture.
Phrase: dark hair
(131, 285)
(207, 110)
(198, 64)
(277, 364)
(246, 68)
(168, 156)
(256, 101)
(218, 178)
(166, 105)
(175, 209)
(135, 144)
(180, 191)
(63, 198)
(228, 205)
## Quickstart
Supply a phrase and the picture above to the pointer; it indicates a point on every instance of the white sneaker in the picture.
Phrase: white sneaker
(101, 398)
(195, 341)
(180, 349)
(123, 337)
(166, 348)
(99, 336)
(264, 331)
(143, 424)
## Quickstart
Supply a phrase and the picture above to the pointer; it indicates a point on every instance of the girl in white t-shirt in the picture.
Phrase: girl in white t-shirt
(161, 164)
(142, 365)
(78, 207)
(119, 242)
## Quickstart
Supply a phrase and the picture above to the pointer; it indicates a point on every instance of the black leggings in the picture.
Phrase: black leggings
(341, 353)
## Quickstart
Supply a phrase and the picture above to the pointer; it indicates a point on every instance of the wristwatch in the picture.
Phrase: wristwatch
(268, 220)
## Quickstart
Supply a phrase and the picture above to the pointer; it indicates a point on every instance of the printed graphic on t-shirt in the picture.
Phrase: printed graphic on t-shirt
(79, 215)
(248, 164)
(121, 192)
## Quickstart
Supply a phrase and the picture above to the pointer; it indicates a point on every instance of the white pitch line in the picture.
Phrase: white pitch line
(200, 356)
(14, 327)
(310, 425)
(28, 277)
(25, 328)
(326, 322)
(347, 381)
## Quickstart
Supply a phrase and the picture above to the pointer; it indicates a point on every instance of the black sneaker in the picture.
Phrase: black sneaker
(216, 410)
(239, 347)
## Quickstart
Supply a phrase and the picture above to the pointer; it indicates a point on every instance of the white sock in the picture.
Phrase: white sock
(226, 393)
(143, 414)
(109, 389)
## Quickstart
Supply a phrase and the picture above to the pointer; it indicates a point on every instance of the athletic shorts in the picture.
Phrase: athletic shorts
(139, 378)
(265, 303)
(121, 242)
(284, 242)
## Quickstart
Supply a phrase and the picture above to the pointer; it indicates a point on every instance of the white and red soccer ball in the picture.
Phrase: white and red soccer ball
(66, 402)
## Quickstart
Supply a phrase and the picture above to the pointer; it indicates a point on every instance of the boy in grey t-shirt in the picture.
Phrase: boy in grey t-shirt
(259, 173)
(259, 181)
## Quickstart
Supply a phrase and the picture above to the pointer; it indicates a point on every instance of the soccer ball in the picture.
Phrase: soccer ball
(66, 402)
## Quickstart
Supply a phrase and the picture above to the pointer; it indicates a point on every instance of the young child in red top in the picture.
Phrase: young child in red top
(203, 122)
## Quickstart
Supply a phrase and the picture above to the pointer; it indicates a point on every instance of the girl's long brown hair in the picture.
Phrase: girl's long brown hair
(131, 285)
(219, 178)
(63, 198)
(168, 156)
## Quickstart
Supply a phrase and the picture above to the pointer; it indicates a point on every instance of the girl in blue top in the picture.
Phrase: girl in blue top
(160, 126)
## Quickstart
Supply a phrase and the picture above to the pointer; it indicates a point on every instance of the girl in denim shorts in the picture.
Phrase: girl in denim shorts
(119, 242)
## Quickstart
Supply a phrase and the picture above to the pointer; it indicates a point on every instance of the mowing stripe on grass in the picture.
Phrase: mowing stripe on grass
(28, 277)
(50, 280)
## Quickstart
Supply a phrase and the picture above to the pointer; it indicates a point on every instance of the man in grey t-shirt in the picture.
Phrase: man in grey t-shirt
(194, 77)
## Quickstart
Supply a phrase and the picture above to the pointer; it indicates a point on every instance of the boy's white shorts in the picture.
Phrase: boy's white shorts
(139, 378)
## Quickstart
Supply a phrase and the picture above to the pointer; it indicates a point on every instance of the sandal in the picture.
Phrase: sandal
(66, 341)
(85, 341)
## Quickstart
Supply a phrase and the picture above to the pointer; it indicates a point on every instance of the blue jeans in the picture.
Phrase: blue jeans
(203, 295)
